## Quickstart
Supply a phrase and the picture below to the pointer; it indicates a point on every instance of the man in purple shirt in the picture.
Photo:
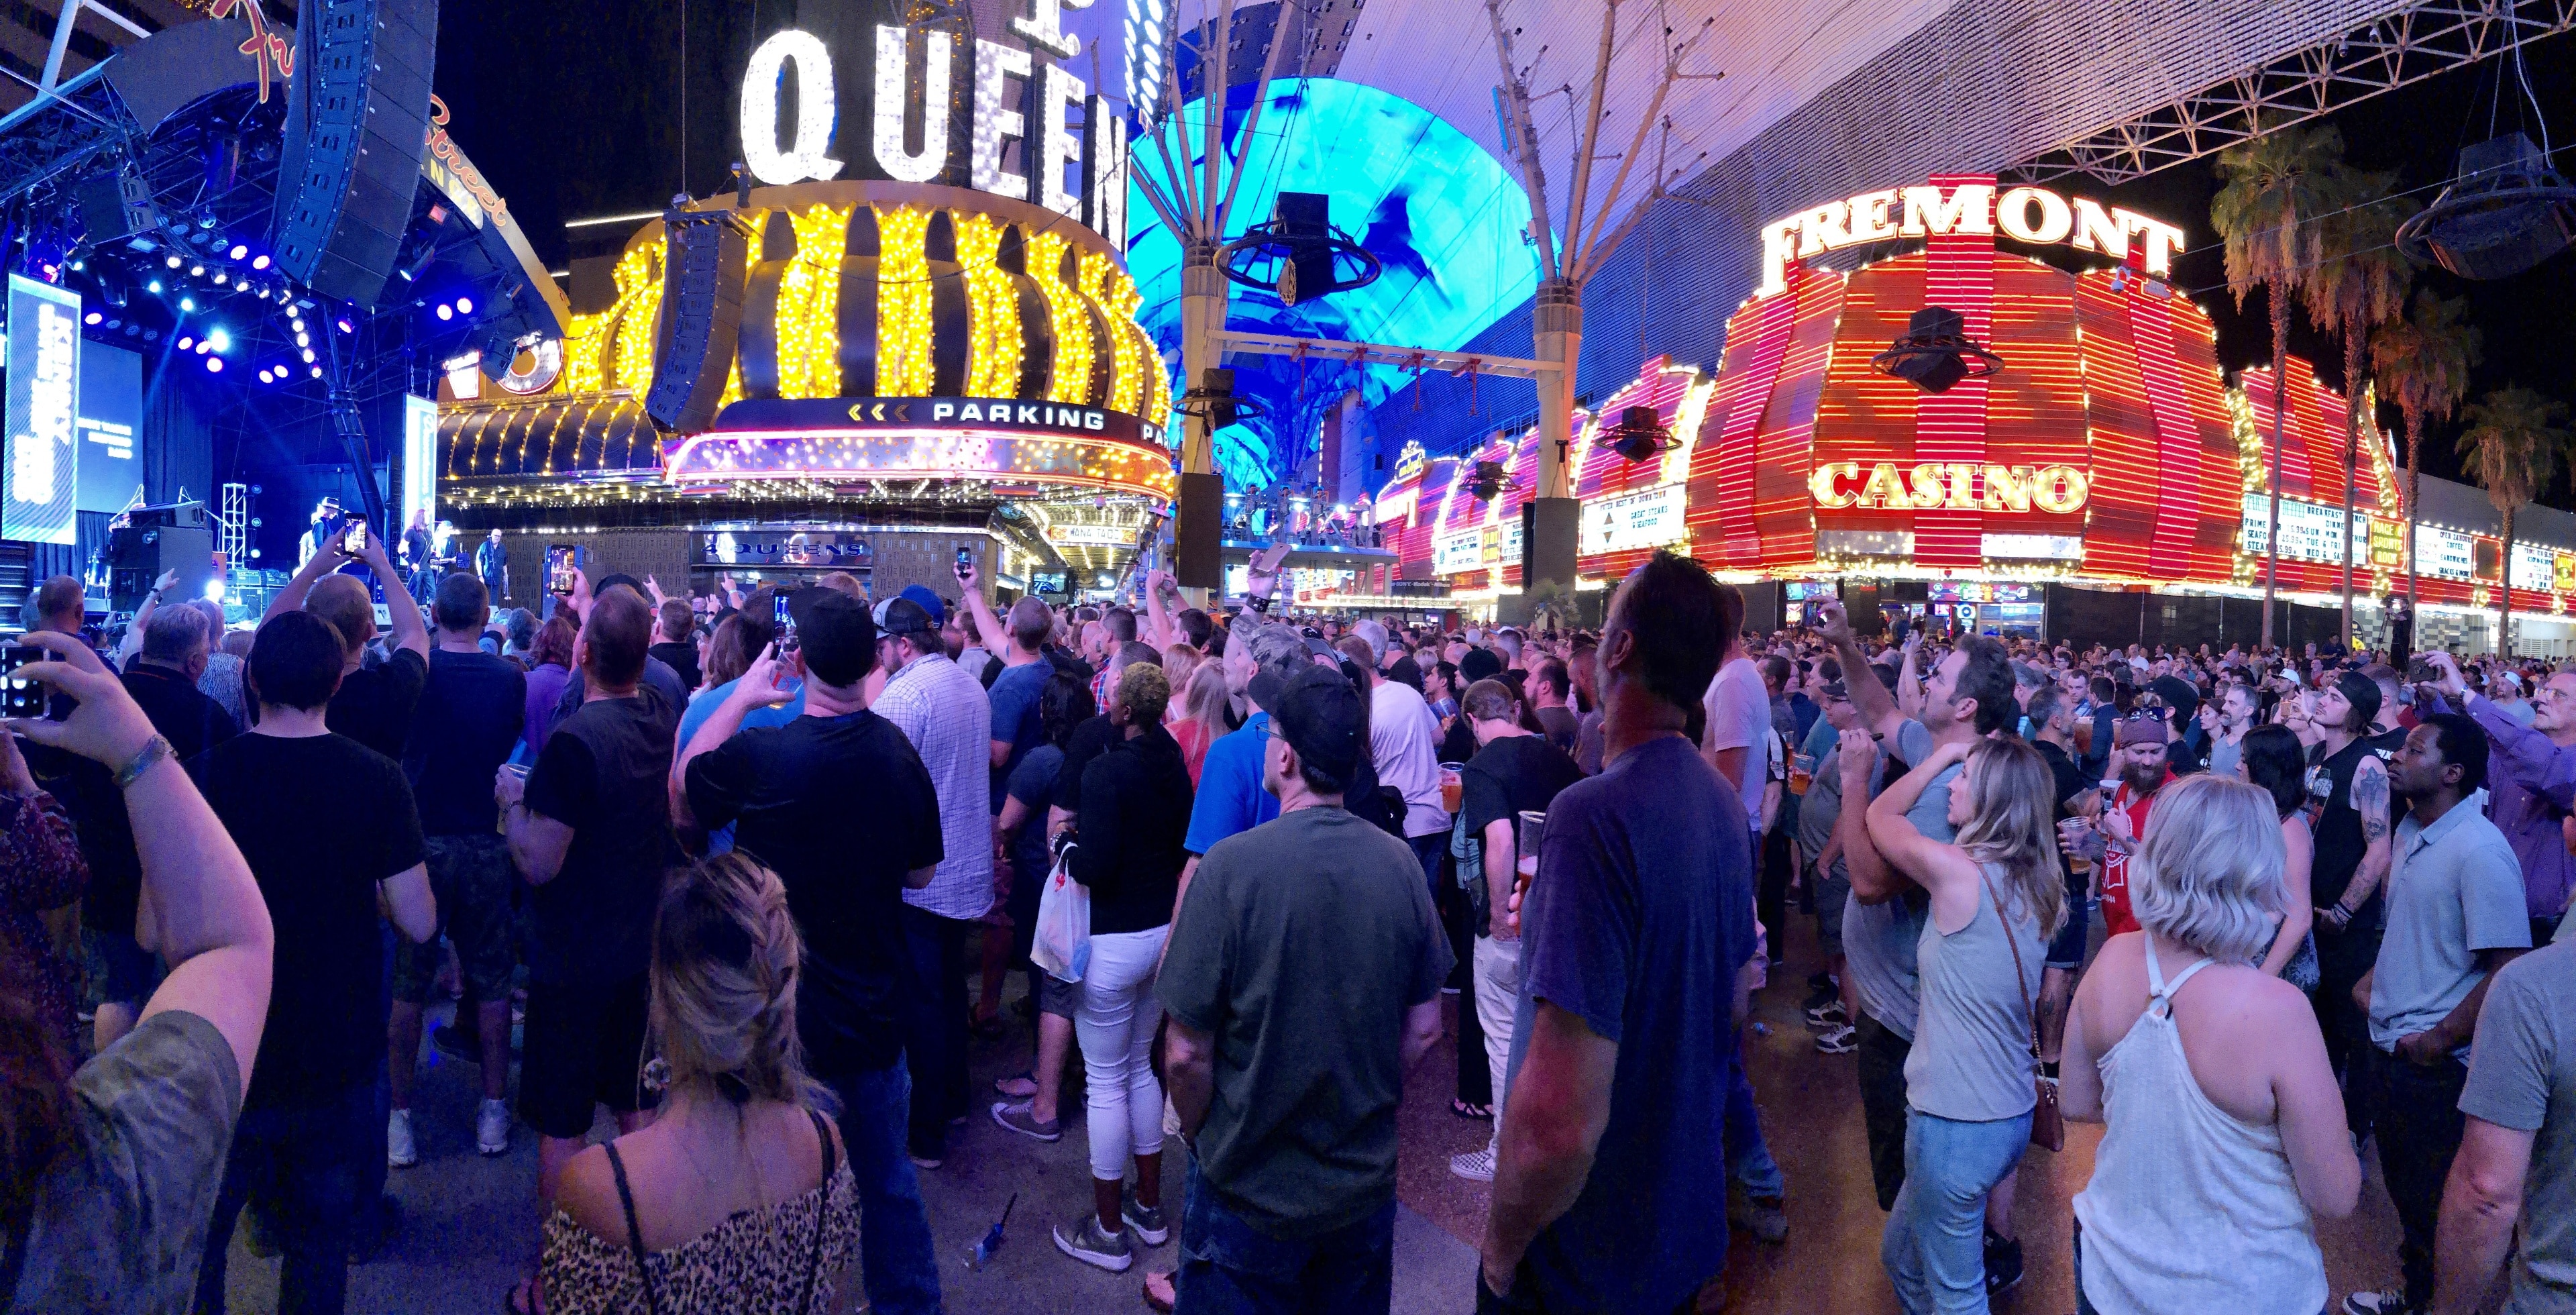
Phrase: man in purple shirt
(2532, 785)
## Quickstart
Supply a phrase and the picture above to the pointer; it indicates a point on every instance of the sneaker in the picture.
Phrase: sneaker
(401, 1151)
(2386, 1301)
(1839, 1041)
(1474, 1166)
(1820, 982)
(923, 1157)
(1828, 1016)
(1759, 1215)
(492, 1128)
(1147, 1222)
(2003, 1264)
(1086, 1241)
(1822, 996)
(1017, 1116)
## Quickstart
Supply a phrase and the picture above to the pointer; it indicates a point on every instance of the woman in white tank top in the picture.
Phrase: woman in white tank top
(2226, 1132)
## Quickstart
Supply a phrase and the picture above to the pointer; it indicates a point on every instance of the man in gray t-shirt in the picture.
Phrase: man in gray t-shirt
(2517, 1161)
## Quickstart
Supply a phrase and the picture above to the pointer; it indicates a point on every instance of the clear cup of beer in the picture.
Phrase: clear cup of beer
(1452, 786)
(1802, 772)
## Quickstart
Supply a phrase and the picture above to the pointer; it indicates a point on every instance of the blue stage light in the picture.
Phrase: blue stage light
(238, 251)
(259, 262)
(446, 312)
(465, 305)
(92, 318)
(153, 286)
(214, 365)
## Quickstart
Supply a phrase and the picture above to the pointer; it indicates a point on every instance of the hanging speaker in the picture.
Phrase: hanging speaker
(706, 259)
(357, 125)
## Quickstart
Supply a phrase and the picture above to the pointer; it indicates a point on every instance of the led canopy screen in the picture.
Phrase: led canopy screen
(111, 427)
(1442, 213)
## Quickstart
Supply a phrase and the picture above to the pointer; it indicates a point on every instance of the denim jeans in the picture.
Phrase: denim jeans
(1748, 1159)
(1228, 1267)
(303, 1165)
(896, 1263)
(1934, 1246)
(2420, 1126)
(934, 1025)
(1115, 1024)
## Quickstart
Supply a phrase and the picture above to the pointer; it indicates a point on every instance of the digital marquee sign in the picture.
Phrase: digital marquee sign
(41, 487)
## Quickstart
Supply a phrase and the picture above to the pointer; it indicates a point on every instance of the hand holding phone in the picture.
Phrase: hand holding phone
(20, 697)
(785, 623)
(353, 539)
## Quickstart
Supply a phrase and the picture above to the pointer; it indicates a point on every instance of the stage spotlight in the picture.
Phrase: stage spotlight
(303, 339)
(221, 278)
(259, 262)
(263, 376)
(308, 356)
(214, 591)
(446, 312)
(153, 286)
(92, 318)
(214, 365)
(465, 305)
(173, 261)
(196, 271)
(346, 327)
(185, 342)
(187, 303)
(1488, 481)
(1935, 352)
(237, 252)
(220, 340)
(317, 372)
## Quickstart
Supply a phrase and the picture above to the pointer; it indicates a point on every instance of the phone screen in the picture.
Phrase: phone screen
(786, 625)
(965, 559)
(354, 539)
(559, 569)
(20, 698)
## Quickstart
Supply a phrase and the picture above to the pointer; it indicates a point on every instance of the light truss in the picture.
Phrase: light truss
(2408, 44)
(1372, 353)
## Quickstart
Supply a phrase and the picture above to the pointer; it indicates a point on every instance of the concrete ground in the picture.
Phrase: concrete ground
(470, 1224)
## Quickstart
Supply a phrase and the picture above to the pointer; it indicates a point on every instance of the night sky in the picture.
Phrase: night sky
(572, 109)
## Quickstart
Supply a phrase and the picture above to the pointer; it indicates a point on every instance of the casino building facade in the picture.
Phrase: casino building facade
(2109, 479)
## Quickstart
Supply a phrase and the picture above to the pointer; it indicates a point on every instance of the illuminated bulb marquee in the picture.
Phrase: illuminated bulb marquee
(1006, 460)
(2024, 214)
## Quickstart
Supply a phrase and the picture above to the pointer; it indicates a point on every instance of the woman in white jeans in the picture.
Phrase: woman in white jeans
(1131, 817)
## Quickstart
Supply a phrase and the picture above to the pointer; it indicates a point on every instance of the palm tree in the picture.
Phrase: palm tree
(2360, 285)
(2276, 187)
(2511, 450)
(2424, 362)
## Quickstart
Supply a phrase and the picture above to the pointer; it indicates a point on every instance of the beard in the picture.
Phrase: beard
(2142, 778)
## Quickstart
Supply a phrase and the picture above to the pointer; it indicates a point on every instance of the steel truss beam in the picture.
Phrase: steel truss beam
(1371, 353)
(2408, 44)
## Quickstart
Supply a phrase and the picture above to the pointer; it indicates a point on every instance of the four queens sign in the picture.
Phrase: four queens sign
(41, 484)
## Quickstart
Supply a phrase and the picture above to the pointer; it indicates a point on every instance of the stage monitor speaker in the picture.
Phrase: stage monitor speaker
(357, 125)
(703, 285)
(114, 205)
(137, 555)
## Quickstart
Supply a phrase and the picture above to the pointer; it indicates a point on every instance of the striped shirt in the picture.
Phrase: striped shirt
(945, 713)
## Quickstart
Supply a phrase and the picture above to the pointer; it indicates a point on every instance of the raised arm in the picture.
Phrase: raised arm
(411, 633)
(201, 909)
(1161, 630)
(1877, 707)
(1938, 866)
(133, 641)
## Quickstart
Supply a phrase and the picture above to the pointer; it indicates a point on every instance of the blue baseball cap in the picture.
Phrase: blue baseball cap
(929, 603)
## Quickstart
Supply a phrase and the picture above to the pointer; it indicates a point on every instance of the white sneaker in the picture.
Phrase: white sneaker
(400, 1150)
(492, 1128)
(1474, 1166)
(1839, 1041)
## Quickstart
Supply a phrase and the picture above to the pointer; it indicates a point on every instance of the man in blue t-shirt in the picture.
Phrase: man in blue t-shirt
(1014, 693)
(1607, 1188)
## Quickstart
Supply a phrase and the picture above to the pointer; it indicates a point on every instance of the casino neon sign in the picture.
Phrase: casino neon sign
(2024, 214)
(1949, 486)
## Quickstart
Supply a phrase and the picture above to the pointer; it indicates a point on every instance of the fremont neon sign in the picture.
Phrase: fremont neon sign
(2025, 214)
(1949, 486)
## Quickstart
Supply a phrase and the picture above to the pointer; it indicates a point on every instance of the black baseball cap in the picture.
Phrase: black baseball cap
(902, 616)
(1321, 717)
(1479, 664)
(835, 634)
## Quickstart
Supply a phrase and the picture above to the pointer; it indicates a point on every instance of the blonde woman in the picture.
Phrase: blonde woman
(2226, 1131)
(1202, 709)
(1998, 893)
(739, 1196)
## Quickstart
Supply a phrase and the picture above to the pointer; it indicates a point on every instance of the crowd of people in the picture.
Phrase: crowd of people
(746, 874)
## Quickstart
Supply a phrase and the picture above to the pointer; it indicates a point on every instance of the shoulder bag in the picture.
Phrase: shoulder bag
(2047, 1126)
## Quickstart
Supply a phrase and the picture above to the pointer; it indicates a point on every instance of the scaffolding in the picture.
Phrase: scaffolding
(232, 526)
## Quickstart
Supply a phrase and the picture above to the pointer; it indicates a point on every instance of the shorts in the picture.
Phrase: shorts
(583, 1047)
(2072, 940)
(121, 971)
(471, 877)
(1832, 894)
(1055, 995)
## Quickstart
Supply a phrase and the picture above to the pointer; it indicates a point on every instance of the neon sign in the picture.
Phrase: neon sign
(266, 49)
(1952, 486)
(1410, 461)
(2025, 214)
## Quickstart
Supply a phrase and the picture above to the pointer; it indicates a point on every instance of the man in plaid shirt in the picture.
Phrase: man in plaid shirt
(945, 714)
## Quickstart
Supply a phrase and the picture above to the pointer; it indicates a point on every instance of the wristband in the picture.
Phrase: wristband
(152, 752)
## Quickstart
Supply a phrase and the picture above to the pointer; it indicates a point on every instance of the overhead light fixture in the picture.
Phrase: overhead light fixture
(259, 262)
(173, 260)
(1935, 353)
(237, 252)
(446, 312)
(196, 271)
(214, 365)
(465, 305)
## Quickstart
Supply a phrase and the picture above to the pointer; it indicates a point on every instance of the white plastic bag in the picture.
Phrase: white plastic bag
(1063, 939)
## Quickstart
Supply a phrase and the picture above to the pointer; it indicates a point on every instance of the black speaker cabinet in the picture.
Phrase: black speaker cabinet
(704, 268)
(137, 555)
(357, 125)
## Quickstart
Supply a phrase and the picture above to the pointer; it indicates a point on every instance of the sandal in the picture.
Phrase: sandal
(1018, 1086)
(525, 1297)
(1466, 1111)
(1160, 1292)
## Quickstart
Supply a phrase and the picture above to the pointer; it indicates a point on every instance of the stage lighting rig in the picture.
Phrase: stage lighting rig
(2505, 212)
(1935, 352)
(1298, 254)
(1214, 400)
(1639, 435)
(1487, 481)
